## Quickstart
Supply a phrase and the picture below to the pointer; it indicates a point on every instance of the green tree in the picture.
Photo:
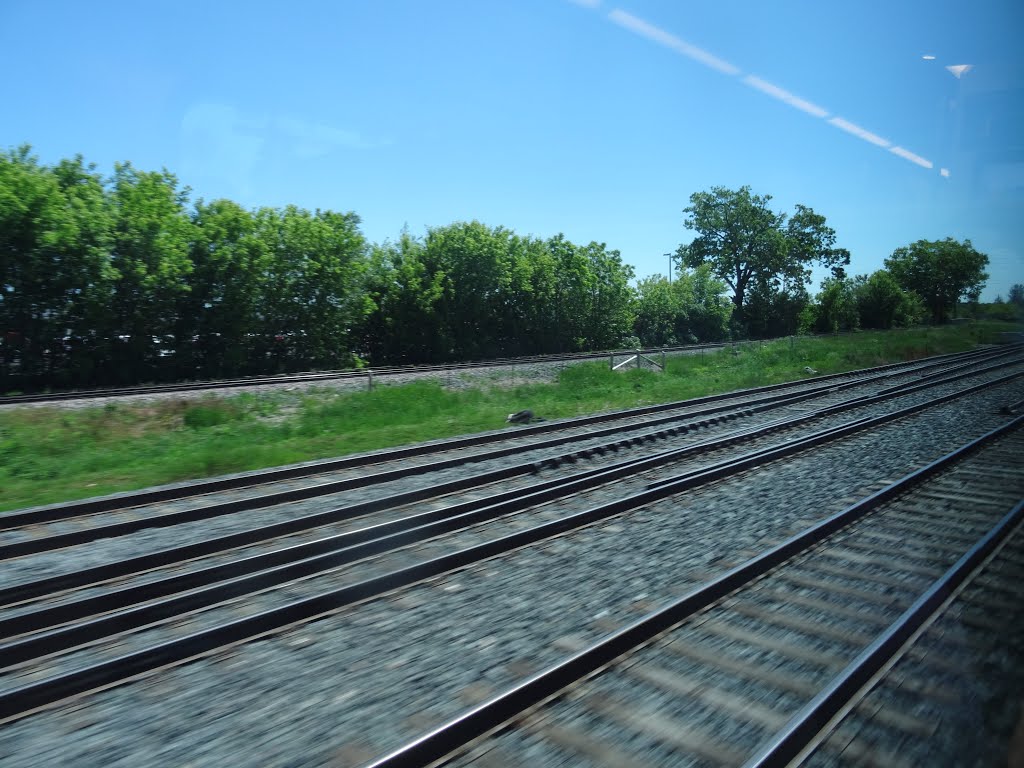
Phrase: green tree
(404, 325)
(881, 303)
(574, 287)
(315, 297)
(775, 309)
(941, 272)
(538, 287)
(499, 290)
(688, 310)
(90, 279)
(749, 246)
(151, 241)
(120, 280)
(656, 312)
(709, 310)
(55, 232)
(218, 317)
(834, 308)
(468, 290)
(474, 263)
(610, 318)
(1017, 294)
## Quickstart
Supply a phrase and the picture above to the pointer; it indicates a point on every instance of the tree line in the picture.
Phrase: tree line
(765, 258)
(120, 279)
(123, 279)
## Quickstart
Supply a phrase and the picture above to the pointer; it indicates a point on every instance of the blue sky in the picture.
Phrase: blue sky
(596, 119)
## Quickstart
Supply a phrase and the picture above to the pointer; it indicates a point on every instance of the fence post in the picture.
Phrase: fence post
(611, 362)
(663, 359)
(369, 379)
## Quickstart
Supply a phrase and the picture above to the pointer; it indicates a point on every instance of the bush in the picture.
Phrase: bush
(209, 414)
(881, 303)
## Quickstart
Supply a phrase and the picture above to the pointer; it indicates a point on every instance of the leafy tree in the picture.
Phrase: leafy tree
(404, 325)
(54, 266)
(315, 297)
(473, 263)
(152, 235)
(941, 272)
(688, 310)
(709, 309)
(749, 246)
(89, 279)
(492, 276)
(834, 308)
(1010, 310)
(1017, 294)
(218, 317)
(881, 303)
(775, 309)
(469, 290)
(1002, 311)
(120, 280)
(610, 318)
(574, 287)
(811, 241)
(538, 287)
(656, 312)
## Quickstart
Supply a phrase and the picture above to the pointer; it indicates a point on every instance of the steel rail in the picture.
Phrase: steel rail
(20, 701)
(1012, 408)
(84, 507)
(805, 726)
(492, 714)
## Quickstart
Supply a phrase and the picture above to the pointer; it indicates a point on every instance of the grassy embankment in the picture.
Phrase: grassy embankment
(49, 455)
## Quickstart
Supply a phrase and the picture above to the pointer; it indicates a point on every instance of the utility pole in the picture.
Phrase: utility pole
(669, 265)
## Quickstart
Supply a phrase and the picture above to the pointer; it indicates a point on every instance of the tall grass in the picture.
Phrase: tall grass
(52, 454)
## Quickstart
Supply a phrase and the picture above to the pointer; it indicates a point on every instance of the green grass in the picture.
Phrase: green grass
(49, 455)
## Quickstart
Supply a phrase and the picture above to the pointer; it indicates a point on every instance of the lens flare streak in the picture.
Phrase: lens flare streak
(785, 96)
(657, 34)
(906, 154)
(859, 132)
(664, 38)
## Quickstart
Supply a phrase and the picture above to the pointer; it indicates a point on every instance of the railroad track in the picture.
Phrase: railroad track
(339, 375)
(979, 626)
(387, 531)
(354, 374)
(205, 499)
(75, 648)
(750, 668)
(62, 640)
